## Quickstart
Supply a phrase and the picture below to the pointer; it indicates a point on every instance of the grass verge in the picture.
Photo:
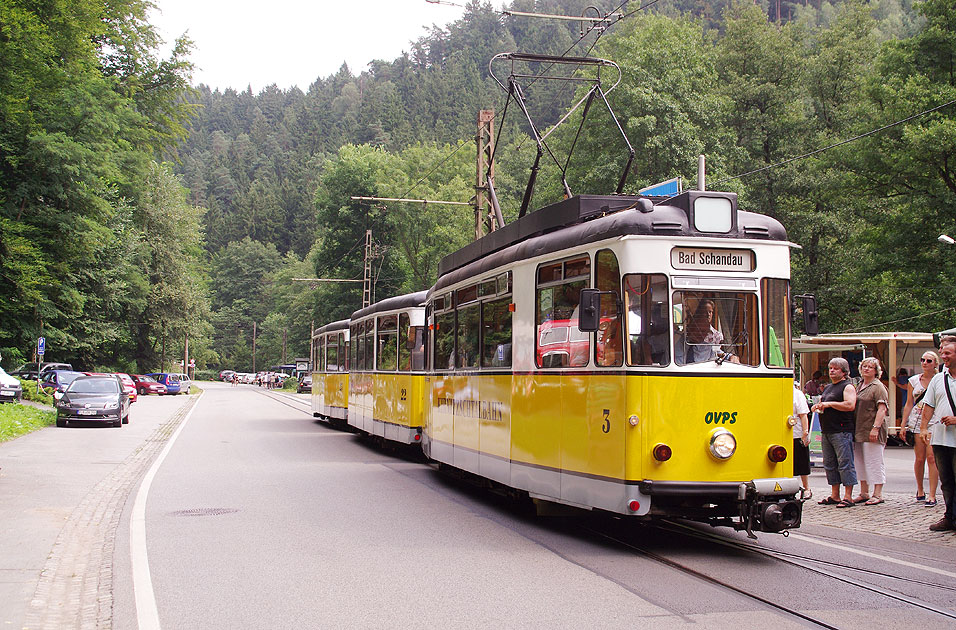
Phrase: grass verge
(17, 420)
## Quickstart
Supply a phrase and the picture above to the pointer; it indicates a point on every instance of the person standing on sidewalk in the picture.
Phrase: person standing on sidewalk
(801, 440)
(837, 423)
(870, 438)
(938, 429)
(909, 431)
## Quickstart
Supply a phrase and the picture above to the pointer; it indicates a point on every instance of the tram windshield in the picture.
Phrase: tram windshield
(712, 324)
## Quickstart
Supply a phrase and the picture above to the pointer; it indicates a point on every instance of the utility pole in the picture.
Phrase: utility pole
(253, 347)
(485, 219)
(186, 354)
(367, 276)
(284, 333)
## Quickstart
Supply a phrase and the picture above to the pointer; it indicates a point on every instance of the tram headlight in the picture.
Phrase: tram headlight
(723, 444)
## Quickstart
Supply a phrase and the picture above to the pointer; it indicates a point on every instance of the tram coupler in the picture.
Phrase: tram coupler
(772, 513)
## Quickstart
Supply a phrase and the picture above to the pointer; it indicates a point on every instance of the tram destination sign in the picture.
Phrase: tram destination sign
(706, 259)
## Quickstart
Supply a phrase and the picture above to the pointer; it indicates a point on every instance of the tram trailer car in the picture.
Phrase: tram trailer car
(681, 405)
(330, 376)
(387, 369)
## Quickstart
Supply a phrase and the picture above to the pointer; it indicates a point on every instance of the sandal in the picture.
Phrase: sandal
(920, 498)
(863, 498)
(930, 503)
(874, 501)
(829, 501)
(845, 504)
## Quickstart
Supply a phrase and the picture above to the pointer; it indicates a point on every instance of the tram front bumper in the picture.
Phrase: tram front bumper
(769, 505)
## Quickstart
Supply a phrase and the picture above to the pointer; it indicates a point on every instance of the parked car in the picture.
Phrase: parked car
(58, 380)
(147, 385)
(93, 399)
(171, 381)
(128, 385)
(226, 375)
(10, 388)
(305, 384)
(184, 383)
(28, 371)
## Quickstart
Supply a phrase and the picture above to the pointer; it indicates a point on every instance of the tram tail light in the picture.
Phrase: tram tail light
(662, 452)
(777, 453)
(634, 506)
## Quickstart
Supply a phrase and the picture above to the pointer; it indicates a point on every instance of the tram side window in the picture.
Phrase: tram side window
(353, 347)
(358, 337)
(647, 309)
(468, 329)
(387, 343)
(608, 344)
(496, 333)
(411, 345)
(776, 321)
(559, 342)
(444, 350)
(343, 363)
(708, 324)
(318, 353)
(332, 354)
(370, 344)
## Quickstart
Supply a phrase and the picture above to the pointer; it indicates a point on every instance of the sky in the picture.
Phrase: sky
(240, 43)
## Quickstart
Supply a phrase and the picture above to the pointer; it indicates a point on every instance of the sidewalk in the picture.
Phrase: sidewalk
(900, 516)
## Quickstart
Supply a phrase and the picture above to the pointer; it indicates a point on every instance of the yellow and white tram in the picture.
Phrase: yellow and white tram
(330, 375)
(387, 359)
(608, 352)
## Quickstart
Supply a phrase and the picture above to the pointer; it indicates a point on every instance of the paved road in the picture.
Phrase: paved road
(261, 517)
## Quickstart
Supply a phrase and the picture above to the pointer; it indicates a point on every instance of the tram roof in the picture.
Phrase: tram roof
(409, 300)
(590, 218)
(342, 324)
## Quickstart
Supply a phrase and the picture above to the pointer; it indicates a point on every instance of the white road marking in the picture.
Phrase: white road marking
(147, 614)
(875, 556)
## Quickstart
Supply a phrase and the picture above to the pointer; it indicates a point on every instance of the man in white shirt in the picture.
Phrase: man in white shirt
(938, 428)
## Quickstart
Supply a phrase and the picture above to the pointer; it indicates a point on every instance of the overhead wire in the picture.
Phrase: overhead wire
(578, 41)
(834, 145)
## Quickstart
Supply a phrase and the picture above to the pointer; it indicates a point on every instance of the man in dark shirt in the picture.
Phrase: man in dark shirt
(837, 424)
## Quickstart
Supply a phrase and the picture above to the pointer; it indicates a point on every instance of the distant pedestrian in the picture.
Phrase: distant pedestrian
(813, 387)
(909, 429)
(837, 424)
(869, 440)
(801, 439)
(235, 380)
(938, 428)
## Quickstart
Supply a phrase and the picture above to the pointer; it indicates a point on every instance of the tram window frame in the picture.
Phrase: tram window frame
(353, 346)
(609, 339)
(444, 330)
(318, 353)
(343, 344)
(502, 339)
(359, 338)
(468, 335)
(552, 276)
(771, 294)
(647, 315)
(370, 344)
(386, 334)
(740, 341)
(331, 355)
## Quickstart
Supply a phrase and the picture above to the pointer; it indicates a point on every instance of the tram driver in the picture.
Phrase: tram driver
(700, 341)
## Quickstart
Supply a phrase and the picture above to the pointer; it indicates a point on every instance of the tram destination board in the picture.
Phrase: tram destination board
(706, 259)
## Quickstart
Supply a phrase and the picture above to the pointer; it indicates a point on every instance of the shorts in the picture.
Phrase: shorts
(801, 458)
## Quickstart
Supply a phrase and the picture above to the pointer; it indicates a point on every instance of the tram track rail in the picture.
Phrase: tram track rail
(687, 570)
(810, 564)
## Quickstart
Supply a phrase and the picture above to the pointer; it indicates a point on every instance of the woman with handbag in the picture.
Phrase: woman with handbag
(915, 389)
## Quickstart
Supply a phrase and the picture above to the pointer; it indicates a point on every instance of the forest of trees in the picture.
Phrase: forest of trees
(135, 211)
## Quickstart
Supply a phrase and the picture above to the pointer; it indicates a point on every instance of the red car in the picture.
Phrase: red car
(128, 385)
(147, 385)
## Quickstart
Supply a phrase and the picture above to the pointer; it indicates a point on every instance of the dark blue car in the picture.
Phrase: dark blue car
(171, 381)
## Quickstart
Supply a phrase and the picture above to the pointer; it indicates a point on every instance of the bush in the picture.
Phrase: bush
(30, 393)
(206, 375)
(290, 383)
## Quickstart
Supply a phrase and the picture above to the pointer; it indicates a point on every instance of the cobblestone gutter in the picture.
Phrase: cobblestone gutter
(75, 589)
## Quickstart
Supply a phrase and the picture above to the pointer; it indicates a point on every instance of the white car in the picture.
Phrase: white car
(184, 383)
(10, 389)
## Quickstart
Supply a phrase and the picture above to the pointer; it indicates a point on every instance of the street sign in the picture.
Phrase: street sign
(664, 189)
(41, 346)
